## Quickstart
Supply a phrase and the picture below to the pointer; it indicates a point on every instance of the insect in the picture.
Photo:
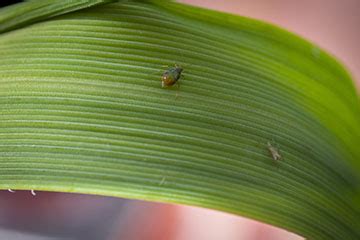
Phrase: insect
(171, 76)
(274, 152)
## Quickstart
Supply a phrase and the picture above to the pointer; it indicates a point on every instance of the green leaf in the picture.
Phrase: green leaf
(83, 110)
(22, 14)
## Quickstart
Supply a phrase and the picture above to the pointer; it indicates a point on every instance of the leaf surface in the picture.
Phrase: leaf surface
(83, 110)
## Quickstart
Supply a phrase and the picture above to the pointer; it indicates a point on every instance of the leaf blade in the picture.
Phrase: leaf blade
(84, 111)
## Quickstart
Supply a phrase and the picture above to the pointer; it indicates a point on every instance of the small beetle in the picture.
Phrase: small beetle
(274, 152)
(171, 76)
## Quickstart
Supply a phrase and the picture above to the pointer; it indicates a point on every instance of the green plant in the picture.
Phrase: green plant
(83, 110)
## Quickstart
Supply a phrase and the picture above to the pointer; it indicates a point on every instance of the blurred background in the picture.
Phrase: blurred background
(331, 24)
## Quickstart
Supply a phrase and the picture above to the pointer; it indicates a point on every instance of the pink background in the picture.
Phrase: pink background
(332, 24)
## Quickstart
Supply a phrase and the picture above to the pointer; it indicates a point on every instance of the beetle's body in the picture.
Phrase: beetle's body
(171, 76)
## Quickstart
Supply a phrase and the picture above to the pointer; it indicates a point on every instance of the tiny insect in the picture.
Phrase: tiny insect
(274, 152)
(171, 76)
